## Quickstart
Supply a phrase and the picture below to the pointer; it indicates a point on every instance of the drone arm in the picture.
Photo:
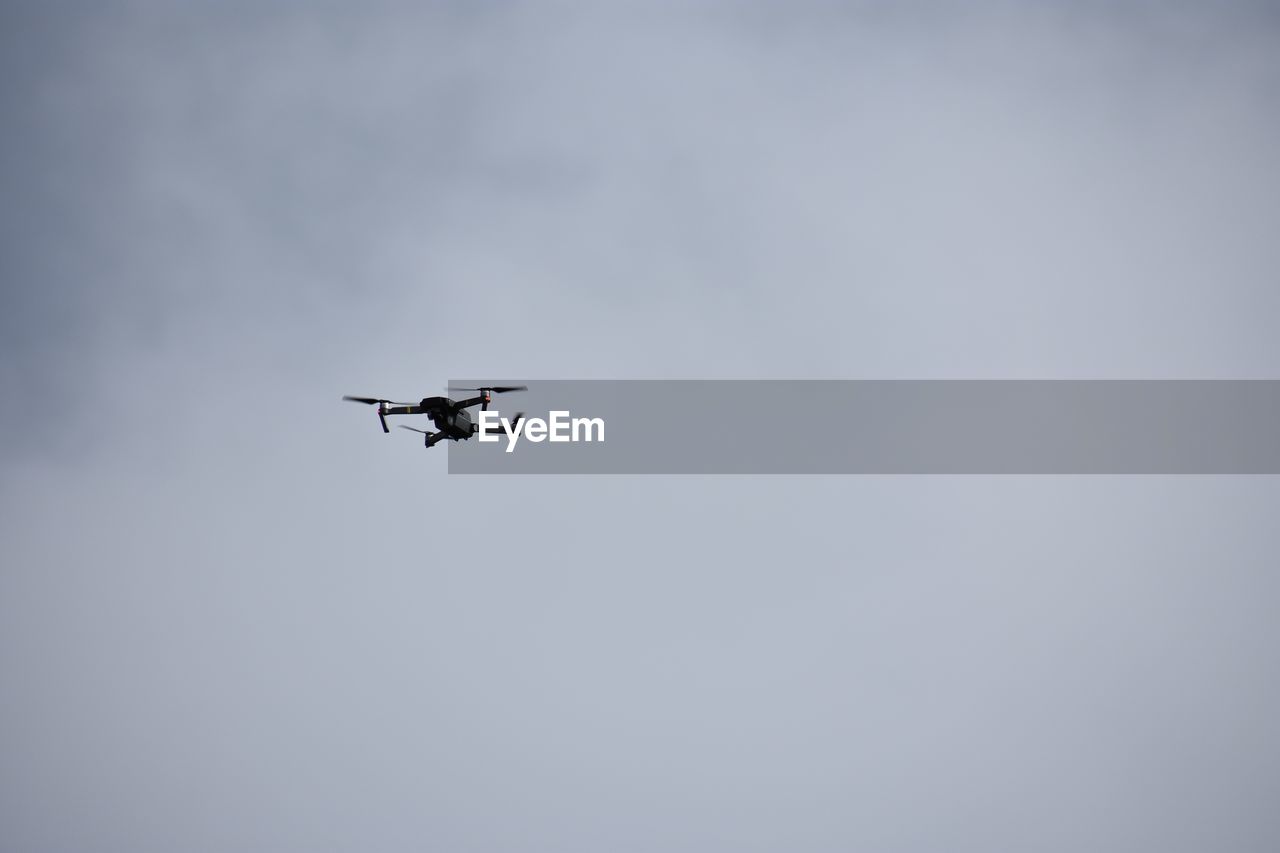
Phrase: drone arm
(486, 395)
(383, 411)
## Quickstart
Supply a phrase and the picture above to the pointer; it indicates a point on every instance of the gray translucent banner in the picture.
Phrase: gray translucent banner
(890, 427)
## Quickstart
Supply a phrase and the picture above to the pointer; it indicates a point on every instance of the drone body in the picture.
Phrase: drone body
(451, 419)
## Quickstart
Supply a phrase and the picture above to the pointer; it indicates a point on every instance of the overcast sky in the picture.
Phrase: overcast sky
(236, 617)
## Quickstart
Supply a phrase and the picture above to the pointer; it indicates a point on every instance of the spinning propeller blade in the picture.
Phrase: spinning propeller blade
(496, 389)
(429, 438)
(372, 400)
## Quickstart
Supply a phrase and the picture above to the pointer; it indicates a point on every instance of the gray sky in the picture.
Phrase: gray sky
(235, 617)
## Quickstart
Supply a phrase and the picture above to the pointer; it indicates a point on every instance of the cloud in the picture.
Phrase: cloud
(234, 616)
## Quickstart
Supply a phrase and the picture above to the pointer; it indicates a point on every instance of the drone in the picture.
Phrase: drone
(450, 417)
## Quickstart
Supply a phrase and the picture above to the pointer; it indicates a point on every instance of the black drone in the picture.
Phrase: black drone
(451, 418)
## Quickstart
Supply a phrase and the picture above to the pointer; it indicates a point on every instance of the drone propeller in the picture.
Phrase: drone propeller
(496, 389)
(427, 440)
(372, 400)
